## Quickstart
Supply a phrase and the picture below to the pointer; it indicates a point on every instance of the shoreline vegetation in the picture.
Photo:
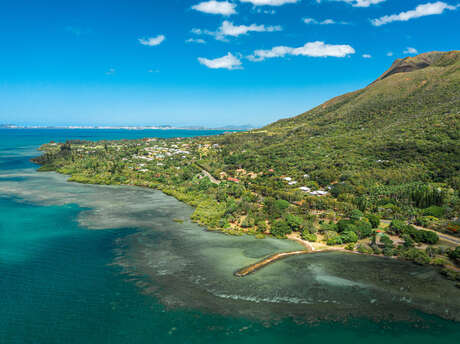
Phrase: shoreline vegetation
(374, 171)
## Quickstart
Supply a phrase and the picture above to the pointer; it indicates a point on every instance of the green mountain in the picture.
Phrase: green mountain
(404, 127)
(391, 150)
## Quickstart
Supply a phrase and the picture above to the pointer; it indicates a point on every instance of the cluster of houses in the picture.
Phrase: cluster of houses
(306, 189)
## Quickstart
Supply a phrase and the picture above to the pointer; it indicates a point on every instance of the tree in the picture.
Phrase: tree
(454, 254)
(387, 242)
(374, 220)
(280, 229)
(356, 215)
(295, 222)
(397, 227)
(306, 235)
(363, 229)
(348, 237)
(429, 237)
(419, 257)
(408, 242)
(345, 225)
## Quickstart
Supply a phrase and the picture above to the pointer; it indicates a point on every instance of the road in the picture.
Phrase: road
(443, 236)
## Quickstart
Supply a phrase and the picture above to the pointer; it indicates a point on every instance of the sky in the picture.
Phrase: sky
(210, 63)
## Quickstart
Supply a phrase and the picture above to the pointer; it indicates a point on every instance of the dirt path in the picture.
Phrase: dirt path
(211, 178)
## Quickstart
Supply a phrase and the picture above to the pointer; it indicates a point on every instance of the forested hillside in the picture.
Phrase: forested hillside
(400, 130)
(389, 151)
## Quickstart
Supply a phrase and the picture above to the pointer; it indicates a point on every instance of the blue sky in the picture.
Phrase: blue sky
(211, 63)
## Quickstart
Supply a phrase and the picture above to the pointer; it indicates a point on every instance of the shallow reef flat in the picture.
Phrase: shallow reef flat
(185, 265)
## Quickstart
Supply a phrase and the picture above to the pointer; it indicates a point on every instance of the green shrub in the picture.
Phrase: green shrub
(387, 242)
(309, 236)
(417, 256)
(295, 222)
(376, 249)
(324, 227)
(280, 229)
(334, 241)
(333, 238)
(396, 227)
(454, 254)
(356, 215)
(363, 229)
(434, 211)
(345, 225)
(261, 226)
(349, 237)
(363, 248)
(439, 261)
(408, 242)
(374, 220)
(429, 237)
(350, 247)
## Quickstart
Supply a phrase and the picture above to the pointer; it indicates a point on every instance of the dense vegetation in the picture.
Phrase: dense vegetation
(389, 151)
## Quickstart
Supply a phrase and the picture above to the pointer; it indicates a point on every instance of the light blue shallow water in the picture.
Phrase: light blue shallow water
(58, 283)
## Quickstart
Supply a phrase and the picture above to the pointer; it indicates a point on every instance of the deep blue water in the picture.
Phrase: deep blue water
(57, 284)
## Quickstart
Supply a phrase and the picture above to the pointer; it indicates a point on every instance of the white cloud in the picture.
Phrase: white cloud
(428, 9)
(152, 41)
(228, 61)
(260, 10)
(228, 29)
(367, 56)
(323, 22)
(195, 40)
(410, 51)
(111, 71)
(358, 3)
(390, 53)
(270, 2)
(224, 8)
(312, 49)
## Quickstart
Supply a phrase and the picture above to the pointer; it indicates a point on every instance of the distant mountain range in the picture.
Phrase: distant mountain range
(157, 127)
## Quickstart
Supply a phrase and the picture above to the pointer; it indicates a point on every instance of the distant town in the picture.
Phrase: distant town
(152, 127)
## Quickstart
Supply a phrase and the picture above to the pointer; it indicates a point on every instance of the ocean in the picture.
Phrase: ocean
(105, 264)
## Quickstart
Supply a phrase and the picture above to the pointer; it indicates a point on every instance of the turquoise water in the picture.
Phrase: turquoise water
(91, 264)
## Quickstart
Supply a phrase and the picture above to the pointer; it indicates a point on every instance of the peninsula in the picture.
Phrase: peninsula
(375, 171)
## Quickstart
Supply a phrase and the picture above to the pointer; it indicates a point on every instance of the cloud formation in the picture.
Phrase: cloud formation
(195, 40)
(322, 22)
(152, 41)
(270, 2)
(367, 56)
(358, 3)
(410, 51)
(229, 29)
(312, 49)
(228, 61)
(428, 9)
(224, 8)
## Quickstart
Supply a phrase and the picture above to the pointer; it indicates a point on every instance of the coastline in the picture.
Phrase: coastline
(310, 247)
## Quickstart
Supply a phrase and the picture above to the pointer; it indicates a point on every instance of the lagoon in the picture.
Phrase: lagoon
(105, 264)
